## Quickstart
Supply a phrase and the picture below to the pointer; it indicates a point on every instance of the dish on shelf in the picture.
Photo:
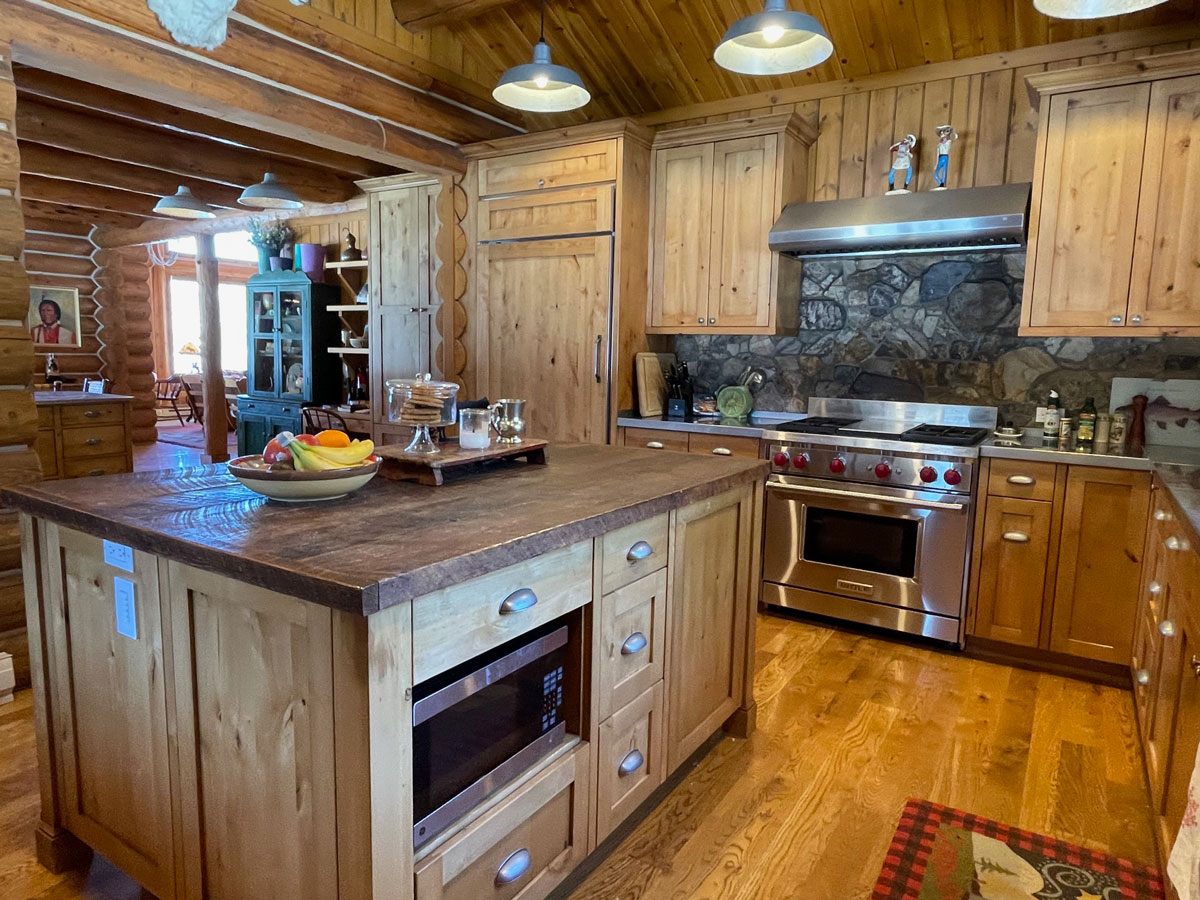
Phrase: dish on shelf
(294, 380)
(291, 486)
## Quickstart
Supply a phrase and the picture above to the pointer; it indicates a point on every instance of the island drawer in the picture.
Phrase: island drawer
(1021, 479)
(453, 625)
(630, 751)
(656, 439)
(102, 440)
(631, 552)
(632, 622)
(91, 414)
(94, 465)
(524, 847)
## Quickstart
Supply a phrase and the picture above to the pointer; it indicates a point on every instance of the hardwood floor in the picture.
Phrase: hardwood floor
(849, 728)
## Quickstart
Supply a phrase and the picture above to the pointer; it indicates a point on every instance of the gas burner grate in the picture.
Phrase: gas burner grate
(949, 435)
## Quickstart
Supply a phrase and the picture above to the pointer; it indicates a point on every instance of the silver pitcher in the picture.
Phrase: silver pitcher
(508, 418)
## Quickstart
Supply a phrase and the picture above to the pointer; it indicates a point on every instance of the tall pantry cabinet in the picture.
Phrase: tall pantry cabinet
(559, 227)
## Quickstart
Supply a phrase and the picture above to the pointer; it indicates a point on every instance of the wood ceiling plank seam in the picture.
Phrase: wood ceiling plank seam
(881, 119)
(585, 48)
(833, 65)
(1173, 47)
(675, 27)
(718, 15)
(848, 43)
(934, 27)
(344, 10)
(1022, 128)
(385, 23)
(965, 34)
(664, 40)
(631, 39)
(1030, 28)
(910, 104)
(905, 32)
(995, 104)
(364, 15)
(872, 26)
(853, 151)
(827, 158)
(995, 22)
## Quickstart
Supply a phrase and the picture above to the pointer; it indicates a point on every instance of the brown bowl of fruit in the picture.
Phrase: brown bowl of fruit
(306, 467)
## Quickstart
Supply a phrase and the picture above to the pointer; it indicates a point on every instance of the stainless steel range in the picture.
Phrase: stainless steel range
(869, 513)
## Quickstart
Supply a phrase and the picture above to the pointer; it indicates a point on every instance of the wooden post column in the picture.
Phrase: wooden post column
(216, 421)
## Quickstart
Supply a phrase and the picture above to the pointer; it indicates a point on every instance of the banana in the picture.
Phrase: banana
(342, 456)
(305, 460)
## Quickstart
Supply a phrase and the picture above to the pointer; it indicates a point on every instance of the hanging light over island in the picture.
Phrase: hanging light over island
(775, 41)
(183, 204)
(541, 86)
(270, 193)
(1091, 9)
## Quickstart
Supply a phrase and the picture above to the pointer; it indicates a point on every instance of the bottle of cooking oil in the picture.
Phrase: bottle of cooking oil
(1051, 422)
(1085, 436)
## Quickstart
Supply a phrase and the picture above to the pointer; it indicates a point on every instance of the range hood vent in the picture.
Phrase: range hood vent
(979, 218)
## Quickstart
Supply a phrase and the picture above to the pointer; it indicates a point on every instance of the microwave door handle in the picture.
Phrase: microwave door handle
(874, 498)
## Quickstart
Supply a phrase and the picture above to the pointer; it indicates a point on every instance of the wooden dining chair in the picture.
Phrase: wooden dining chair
(318, 418)
(167, 397)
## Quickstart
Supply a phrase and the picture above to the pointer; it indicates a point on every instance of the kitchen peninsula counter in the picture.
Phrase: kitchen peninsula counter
(224, 685)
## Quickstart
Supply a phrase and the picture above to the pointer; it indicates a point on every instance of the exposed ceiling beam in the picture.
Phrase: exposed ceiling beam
(52, 162)
(46, 37)
(56, 226)
(59, 212)
(64, 127)
(85, 196)
(421, 15)
(48, 85)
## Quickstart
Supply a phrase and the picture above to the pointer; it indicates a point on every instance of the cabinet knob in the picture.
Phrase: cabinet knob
(654, 445)
(635, 643)
(518, 601)
(1154, 587)
(700, 321)
(1016, 537)
(632, 761)
(513, 867)
(1142, 677)
(92, 414)
(1195, 664)
(712, 321)
(1116, 320)
(1161, 515)
(92, 442)
(639, 551)
(1176, 543)
(1166, 628)
(1136, 320)
(1021, 479)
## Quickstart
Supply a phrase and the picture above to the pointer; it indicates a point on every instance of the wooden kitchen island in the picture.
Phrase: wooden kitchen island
(255, 738)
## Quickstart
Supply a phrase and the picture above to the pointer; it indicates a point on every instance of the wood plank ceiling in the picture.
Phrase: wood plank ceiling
(641, 56)
(97, 156)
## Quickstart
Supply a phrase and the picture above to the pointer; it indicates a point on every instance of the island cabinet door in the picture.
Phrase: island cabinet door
(253, 694)
(111, 703)
(712, 559)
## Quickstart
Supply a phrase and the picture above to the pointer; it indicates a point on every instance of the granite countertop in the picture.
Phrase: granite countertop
(391, 541)
(751, 426)
(54, 398)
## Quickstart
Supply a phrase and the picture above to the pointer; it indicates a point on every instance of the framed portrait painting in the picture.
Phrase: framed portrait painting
(54, 317)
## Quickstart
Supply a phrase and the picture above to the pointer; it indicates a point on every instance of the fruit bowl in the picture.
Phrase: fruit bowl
(301, 487)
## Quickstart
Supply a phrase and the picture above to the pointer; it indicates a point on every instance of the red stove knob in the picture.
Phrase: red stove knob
(837, 465)
(883, 470)
(928, 474)
(952, 476)
(781, 459)
(800, 461)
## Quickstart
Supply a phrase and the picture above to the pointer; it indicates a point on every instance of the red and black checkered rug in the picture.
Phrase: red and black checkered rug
(939, 853)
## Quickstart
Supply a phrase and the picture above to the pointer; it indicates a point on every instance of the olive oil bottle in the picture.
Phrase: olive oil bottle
(1085, 437)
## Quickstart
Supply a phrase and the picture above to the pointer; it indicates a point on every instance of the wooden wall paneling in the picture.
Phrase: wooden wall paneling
(909, 117)
(966, 95)
(995, 107)
(827, 159)
(855, 111)
(935, 111)
(881, 119)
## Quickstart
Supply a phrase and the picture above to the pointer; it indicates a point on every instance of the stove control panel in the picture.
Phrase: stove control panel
(895, 467)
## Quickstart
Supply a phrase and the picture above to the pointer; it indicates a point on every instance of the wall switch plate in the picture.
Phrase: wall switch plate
(1040, 415)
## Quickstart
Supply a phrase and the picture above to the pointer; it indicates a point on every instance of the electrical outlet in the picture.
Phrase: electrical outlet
(1040, 415)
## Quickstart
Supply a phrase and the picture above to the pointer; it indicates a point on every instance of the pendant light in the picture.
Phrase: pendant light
(541, 86)
(1091, 9)
(183, 204)
(775, 41)
(270, 193)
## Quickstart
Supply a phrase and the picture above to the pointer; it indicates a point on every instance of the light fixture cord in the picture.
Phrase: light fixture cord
(542, 25)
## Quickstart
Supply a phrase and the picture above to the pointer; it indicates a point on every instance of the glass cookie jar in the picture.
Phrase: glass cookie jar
(422, 404)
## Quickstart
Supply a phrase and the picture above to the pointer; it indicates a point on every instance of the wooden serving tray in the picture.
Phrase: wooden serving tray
(429, 468)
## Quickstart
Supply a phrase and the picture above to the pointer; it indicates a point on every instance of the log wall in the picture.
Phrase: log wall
(126, 344)
(58, 254)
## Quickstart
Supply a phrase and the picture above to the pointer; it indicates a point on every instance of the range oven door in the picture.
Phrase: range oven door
(901, 548)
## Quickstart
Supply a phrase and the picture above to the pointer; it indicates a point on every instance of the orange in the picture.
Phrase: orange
(331, 438)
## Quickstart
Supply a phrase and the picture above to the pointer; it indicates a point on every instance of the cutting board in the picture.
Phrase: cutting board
(649, 369)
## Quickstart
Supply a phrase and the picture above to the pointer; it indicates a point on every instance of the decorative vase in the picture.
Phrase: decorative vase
(264, 259)
(312, 260)
(277, 264)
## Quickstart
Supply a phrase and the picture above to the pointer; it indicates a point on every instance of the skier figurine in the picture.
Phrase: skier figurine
(946, 134)
(902, 162)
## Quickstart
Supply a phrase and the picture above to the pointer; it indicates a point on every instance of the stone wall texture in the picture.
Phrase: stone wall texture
(939, 329)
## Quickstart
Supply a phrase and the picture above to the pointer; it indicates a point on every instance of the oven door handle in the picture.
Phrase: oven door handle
(874, 498)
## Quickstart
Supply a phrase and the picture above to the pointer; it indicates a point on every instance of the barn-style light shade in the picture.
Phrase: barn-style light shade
(1091, 9)
(773, 42)
(270, 193)
(183, 204)
(541, 86)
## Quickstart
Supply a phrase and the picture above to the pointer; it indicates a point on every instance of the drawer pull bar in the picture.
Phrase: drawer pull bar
(96, 472)
(635, 643)
(516, 865)
(1176, 543)
(722, 451)
(518, 601)
(92, 442)
(630, 763)
(1017, 537)
(654, 445)
(1021, 479)
(1142, 677)
(92, 414)
(1195, 663)
(1166, 628)
(639, 551)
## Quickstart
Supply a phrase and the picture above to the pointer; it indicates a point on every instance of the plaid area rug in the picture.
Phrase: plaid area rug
(939, 853)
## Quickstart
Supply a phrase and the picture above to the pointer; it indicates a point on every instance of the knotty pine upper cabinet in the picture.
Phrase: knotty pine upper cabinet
(1116, 191)
(716, 190)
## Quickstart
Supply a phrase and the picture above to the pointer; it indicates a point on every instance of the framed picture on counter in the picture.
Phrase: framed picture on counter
(53, 318)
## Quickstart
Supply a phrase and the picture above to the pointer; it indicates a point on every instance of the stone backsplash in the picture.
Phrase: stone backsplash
(936, 328)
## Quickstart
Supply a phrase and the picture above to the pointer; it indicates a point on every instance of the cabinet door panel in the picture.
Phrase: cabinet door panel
(744, 192)
(683, 184)
(547, 304)
(1012, 571)
(1186, 732)
(1091, 174)
(1165, 289)
(1100, 563)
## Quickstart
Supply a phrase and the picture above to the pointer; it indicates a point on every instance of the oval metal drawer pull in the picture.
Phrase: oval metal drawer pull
(630, 763)
(635, 643)
(516, 865)
(1017, 537)
(639, 551)
(92, 414)
(1176, 543)
(96, 472)
(1142, 677)
(1154, 587)
(654, 445)
(1166, 628)
(722, 451)
(517, 601)
(92, 442)
(1021, 479)
(1161, 515)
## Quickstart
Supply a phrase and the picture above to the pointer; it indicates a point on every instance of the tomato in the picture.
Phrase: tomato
(333, 438)
(310, 439)
(275, 452)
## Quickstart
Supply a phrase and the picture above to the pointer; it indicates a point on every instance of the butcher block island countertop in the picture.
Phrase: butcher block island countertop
(224, 684)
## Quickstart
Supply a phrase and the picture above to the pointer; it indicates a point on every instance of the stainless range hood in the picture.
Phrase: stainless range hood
(979, 218)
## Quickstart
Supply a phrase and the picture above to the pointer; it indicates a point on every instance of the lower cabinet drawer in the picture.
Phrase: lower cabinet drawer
(656, 439)
(102, 440)
(629, 553)
(723, 445)
(521, 849)
(453, 625)
(1021, 479)
(94, 465)
(631, 642)
(631, 759)
(92, 414)
(47, 451)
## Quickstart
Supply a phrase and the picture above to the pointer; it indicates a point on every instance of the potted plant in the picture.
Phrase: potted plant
(270, 236)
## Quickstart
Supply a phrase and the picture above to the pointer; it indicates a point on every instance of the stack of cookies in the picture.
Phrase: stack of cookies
(427, 405)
